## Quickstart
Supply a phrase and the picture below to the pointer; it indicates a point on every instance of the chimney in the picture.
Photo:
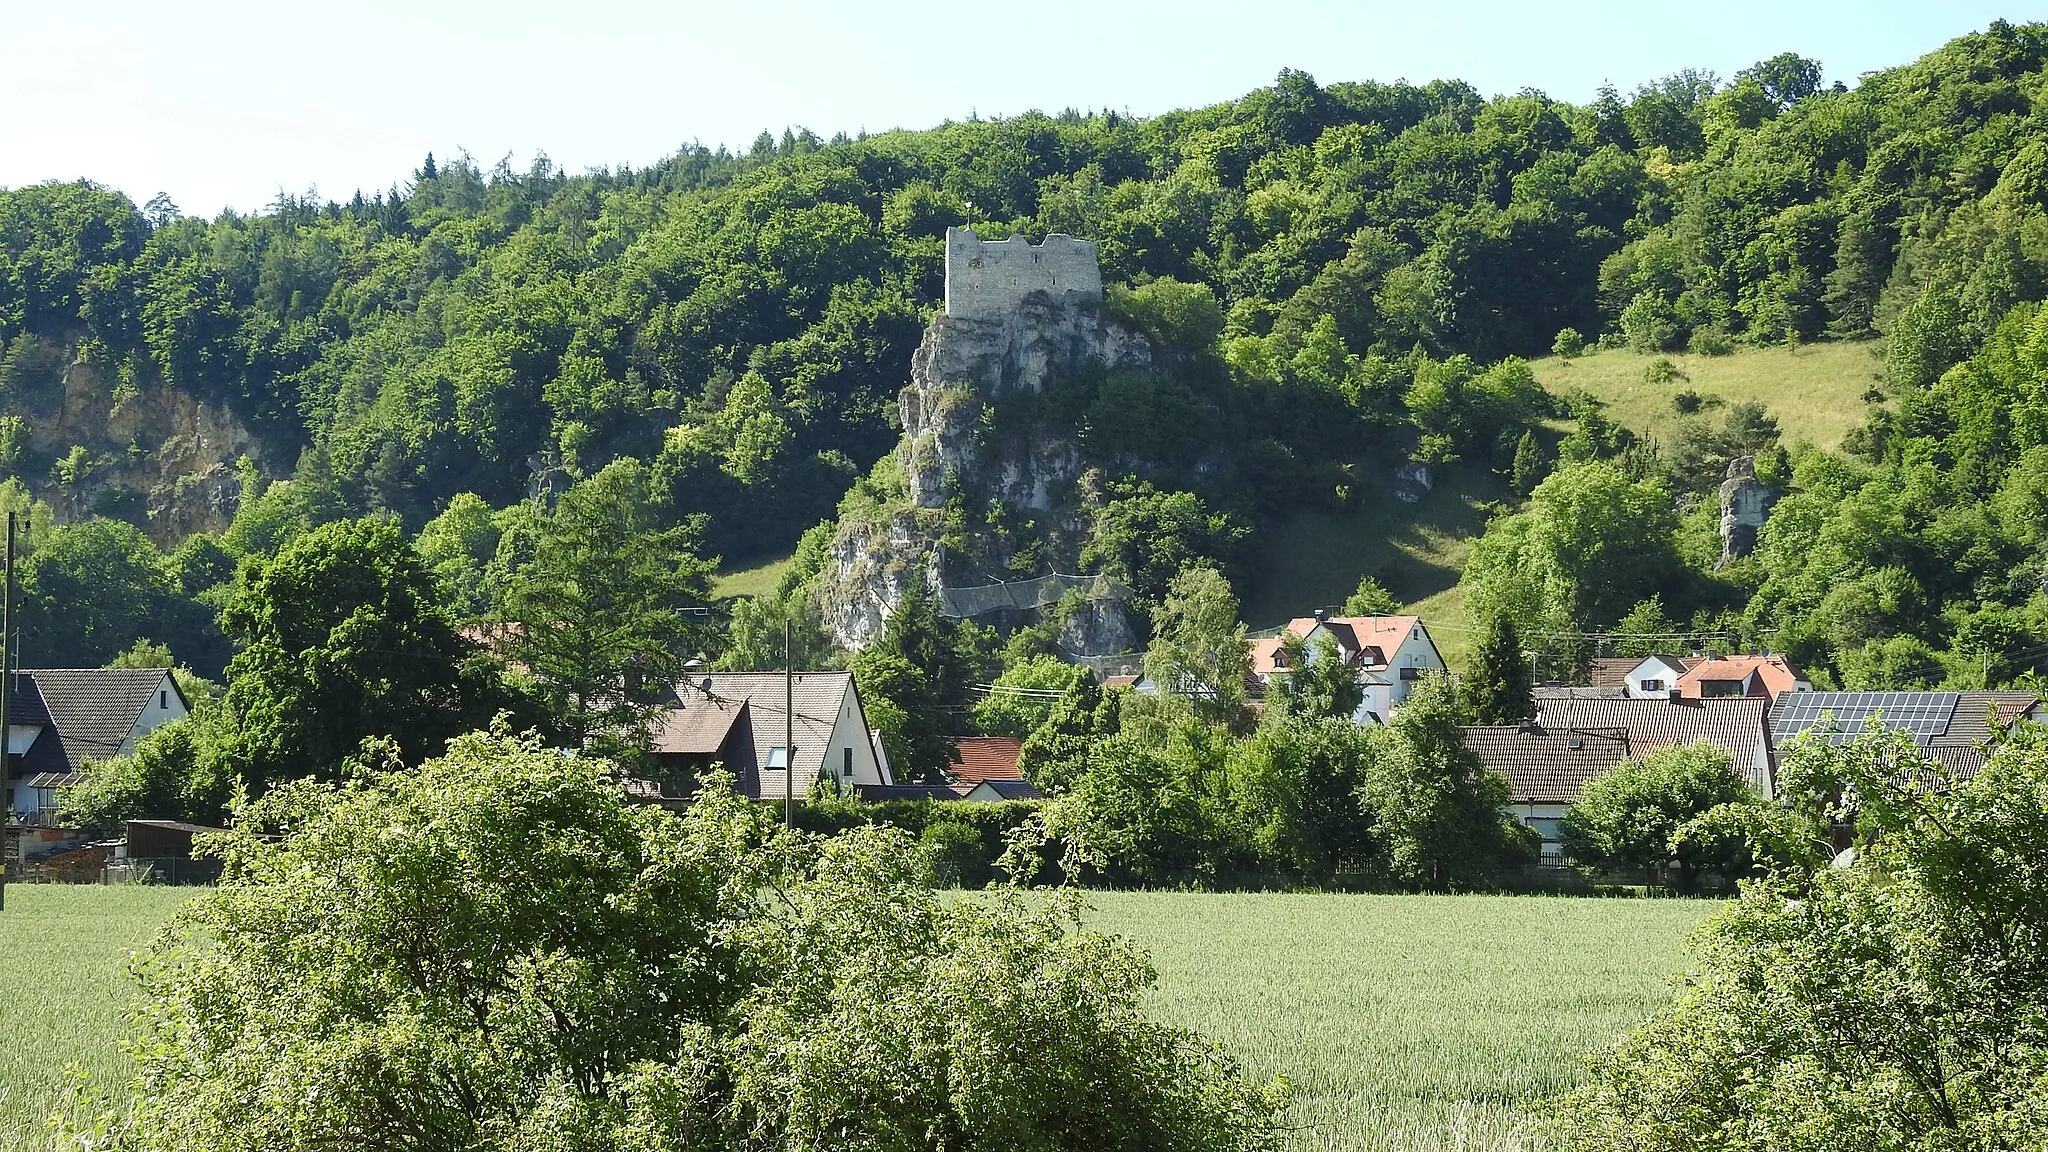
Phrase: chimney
(1322, 614)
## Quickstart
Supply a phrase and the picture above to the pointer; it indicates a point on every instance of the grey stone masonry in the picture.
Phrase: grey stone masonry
(988, 279)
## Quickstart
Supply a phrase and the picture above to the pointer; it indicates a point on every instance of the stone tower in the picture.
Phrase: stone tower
(989, 279)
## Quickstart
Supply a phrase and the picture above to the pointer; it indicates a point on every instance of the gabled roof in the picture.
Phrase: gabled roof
(1775, 673)
(1977, 714)
(1613, 671)
(1004, 790)
(1365, 641)
(1544, 765)
(1734, 724)
(1933, 719)
(979, 758)
(717, 697)
(86, 713)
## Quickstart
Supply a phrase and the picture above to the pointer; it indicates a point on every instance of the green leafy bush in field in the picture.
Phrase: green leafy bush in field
(493, 950)
(1898, 1000)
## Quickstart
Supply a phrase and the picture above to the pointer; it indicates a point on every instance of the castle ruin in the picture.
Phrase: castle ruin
(989, 279)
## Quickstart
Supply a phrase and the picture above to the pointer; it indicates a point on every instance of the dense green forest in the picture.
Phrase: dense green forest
(1346, 274)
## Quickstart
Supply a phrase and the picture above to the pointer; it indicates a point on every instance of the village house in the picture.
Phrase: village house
(1636, 677)
(1764, 676)
(1738, 725)
(1546, 769)
(737, 720)
(59, 718)
(985, 769)
(1391, 654)
(1955, 729)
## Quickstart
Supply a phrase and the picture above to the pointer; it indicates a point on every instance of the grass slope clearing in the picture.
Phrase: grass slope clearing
(1411, 1023)
(1314, 559)
(1815, 391)
(756, 577)
(65, 950)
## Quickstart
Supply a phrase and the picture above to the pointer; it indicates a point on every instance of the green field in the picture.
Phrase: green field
(749, 578)
(64, 952)
(1414, 1023)
(1407, 1022)
(1815, 391)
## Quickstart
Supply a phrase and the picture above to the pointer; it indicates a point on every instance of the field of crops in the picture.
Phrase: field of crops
(1412, 1023)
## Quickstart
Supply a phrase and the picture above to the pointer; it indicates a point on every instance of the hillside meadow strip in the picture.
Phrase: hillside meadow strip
(1405, 1023)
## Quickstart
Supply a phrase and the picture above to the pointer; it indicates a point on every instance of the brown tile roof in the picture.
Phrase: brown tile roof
(716, 695)
(978, 758)
(1978, 712)
(1119, 681)
(86, 713)
(1543, 765)
(1732, 723)
(1364, 640)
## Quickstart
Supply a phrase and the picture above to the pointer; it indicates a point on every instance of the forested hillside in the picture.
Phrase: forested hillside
(1345, 274)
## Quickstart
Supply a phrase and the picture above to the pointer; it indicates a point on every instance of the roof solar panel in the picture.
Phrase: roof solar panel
(1923, 715)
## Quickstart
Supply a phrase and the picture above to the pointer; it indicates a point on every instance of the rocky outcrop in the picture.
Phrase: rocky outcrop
(960, 375)
(1746, 504)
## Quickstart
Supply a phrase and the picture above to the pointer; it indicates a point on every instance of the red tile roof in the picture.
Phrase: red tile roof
(986, 758)
(1776, 673)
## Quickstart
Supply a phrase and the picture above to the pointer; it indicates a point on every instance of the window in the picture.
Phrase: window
(846, 761)
(778, 757)
(163, 699)
(1652, 686)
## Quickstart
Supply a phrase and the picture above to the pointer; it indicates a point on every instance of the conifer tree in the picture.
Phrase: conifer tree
(1500, 688)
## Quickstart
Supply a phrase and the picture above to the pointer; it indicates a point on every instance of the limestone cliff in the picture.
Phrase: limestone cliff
(963, 469)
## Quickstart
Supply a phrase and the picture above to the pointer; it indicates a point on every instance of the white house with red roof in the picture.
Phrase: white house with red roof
(1390, 653)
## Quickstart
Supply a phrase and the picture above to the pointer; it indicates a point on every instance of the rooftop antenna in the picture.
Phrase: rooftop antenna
(788, 727)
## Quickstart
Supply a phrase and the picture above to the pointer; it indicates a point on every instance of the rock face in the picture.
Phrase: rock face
(1745, 505)
(953, 450)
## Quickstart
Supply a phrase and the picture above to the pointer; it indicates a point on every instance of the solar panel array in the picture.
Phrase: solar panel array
(1922, 715)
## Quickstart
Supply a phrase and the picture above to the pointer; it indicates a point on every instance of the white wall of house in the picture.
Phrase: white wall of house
(1653, 679)
(1544, 819)
(165, 706)
(851, 746)
(1416, 657)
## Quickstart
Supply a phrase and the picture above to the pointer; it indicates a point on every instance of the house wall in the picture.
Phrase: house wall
(162, 708)
(1651, 669)
(1544, 818)
(850, 731)
(1416, 652)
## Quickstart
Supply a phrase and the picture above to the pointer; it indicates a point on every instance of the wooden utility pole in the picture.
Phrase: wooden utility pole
(788, 727)
(10, 839)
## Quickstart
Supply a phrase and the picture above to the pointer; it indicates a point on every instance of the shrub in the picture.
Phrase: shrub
(1568, 343)
(1709, 342)
(494, 952)
(1650, 323)
(1663, 371)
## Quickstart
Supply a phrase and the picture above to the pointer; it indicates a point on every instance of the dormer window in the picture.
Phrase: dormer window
(1652, 686)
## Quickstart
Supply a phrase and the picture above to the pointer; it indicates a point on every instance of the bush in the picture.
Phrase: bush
(1662, 371)
(1650, 323)
(1898, 1001)
(1709, 342)
(1568, 343)
(494, 952)
(1686, 403)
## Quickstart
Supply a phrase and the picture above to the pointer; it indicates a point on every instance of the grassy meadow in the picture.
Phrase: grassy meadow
(1409, 1023)
(65, 952)
(1815, 390)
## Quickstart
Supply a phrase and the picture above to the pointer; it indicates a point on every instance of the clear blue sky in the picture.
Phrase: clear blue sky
(226, 102)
